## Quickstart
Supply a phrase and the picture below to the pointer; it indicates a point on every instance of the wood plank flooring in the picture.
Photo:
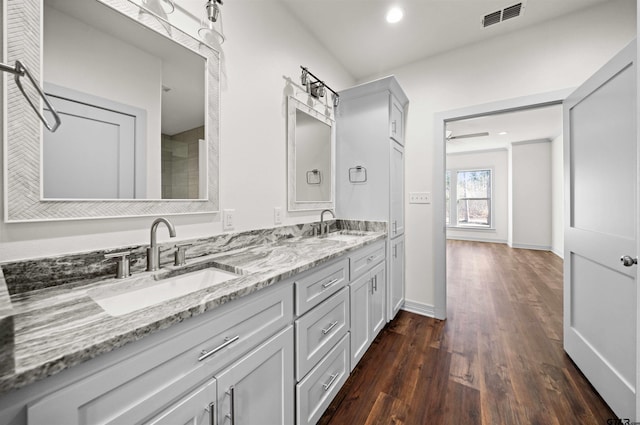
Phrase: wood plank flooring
(497, 359)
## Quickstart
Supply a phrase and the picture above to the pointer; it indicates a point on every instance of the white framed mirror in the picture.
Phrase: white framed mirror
(310, 151)
(139, 101)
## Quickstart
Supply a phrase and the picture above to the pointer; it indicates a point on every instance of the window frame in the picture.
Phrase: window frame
(453, 206)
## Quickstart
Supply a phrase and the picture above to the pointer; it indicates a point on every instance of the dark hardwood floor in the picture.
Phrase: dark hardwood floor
(497, 359)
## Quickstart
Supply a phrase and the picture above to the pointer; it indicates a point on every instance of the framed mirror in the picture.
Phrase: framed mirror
(139, 102)
(310, 148)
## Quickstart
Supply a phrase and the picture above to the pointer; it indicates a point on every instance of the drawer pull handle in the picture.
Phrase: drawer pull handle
(370, 258)
(232, 404)
(330, 383)
(227, 341)
(330, 283)
(212, 412)
(331, 326)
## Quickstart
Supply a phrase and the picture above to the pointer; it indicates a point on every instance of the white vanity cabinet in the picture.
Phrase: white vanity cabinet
(396, 283)
(258, 388)
(168, 374)
(367, 310)
(322, 337)
(370, 159)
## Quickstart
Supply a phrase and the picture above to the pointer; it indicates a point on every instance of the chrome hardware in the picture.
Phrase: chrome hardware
(227, 341)
(393, 126)
(123, 264)
(323, 225)
(331, 326)
(153, 252)
(372, 290)
(395, 251)
(21, 71)
(395, 227)
(628, 261)
(328, 384)
(211, 409)
(180, 257)
(232, 405)
(355, 171)
(330, 283)
(375, 283)
(370, 258)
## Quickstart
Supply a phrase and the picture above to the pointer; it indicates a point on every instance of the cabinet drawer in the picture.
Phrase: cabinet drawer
(319, 330)
(144, 384)
(363, 260)
(320, 386)
(319, 285)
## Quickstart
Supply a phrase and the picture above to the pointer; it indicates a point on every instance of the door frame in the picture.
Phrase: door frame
(439, 168)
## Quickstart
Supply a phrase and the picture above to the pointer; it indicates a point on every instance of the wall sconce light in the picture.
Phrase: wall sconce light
(213, 10)
(317, 88)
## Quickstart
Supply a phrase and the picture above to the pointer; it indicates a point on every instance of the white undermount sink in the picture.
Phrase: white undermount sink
(128, 300)
(345, 235)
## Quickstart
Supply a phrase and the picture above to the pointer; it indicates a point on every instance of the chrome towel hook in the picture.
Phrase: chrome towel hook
(20, 71)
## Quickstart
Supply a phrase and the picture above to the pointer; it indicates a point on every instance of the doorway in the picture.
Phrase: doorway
(439, 193)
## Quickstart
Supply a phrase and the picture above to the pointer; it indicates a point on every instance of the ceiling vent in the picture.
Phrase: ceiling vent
(502, 15)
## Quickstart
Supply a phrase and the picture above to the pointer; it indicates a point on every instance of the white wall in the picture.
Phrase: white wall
(552, 56)
(557, 197)
(264, 43)
(531, 195)
(497, 161)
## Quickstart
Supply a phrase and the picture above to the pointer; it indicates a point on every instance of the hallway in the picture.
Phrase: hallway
(497, 359)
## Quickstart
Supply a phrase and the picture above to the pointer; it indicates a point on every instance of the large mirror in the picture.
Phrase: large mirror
(138, 99)
(310, 145)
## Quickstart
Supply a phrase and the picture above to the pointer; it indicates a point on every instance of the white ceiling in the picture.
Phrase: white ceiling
(365, 44)
(530, 124)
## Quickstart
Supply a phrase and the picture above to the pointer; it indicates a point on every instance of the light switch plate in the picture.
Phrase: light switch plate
(227, 219)
(419, 197)
(277, 215)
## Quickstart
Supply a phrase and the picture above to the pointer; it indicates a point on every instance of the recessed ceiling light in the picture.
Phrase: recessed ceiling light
(394, 15)
(502, 133)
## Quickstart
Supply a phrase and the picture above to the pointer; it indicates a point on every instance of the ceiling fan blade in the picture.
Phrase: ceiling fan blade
(467, 136)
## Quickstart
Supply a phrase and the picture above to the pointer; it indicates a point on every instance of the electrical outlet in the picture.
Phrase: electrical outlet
(277, 215)
(419, 197)
(227, 219)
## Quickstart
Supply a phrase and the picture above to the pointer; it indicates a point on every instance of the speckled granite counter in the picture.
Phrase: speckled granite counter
(56, 327)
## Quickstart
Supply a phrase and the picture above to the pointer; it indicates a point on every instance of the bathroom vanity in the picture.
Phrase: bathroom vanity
(271, 345)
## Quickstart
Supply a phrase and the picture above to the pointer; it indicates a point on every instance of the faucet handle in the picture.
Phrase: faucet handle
(180, 258)
(123, 269)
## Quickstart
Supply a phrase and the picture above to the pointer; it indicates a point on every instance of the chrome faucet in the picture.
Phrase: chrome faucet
(153, 252)
(323, 226)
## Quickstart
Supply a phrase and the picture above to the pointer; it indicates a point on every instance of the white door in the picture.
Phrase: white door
(601, 197)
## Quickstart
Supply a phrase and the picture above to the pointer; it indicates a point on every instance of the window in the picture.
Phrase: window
(470, 191)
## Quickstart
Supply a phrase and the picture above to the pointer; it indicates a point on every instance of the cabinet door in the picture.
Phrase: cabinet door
(360, 317)
(259, 388)
(396, 121)
(377, 299)
(396, 286)
(197, 408)
(396, 187)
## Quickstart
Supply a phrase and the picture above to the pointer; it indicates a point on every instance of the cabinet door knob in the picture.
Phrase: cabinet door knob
(628, 261)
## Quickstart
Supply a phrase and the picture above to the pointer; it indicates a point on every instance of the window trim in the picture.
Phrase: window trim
(453, 195)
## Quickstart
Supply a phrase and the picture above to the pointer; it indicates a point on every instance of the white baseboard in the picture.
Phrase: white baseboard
(419, 308)
(475, 239)
(558, 253)
(527, 246)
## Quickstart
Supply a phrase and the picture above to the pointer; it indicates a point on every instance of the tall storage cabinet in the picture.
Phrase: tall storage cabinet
(370, 167)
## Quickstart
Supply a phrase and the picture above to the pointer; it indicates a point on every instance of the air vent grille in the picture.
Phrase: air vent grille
(492, 18)
(512, 11)
(509, 12)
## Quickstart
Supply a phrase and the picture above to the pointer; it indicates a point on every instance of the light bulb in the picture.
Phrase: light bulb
(394, 15)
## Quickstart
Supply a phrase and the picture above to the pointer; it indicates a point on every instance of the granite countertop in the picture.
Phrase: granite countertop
(61, 326)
